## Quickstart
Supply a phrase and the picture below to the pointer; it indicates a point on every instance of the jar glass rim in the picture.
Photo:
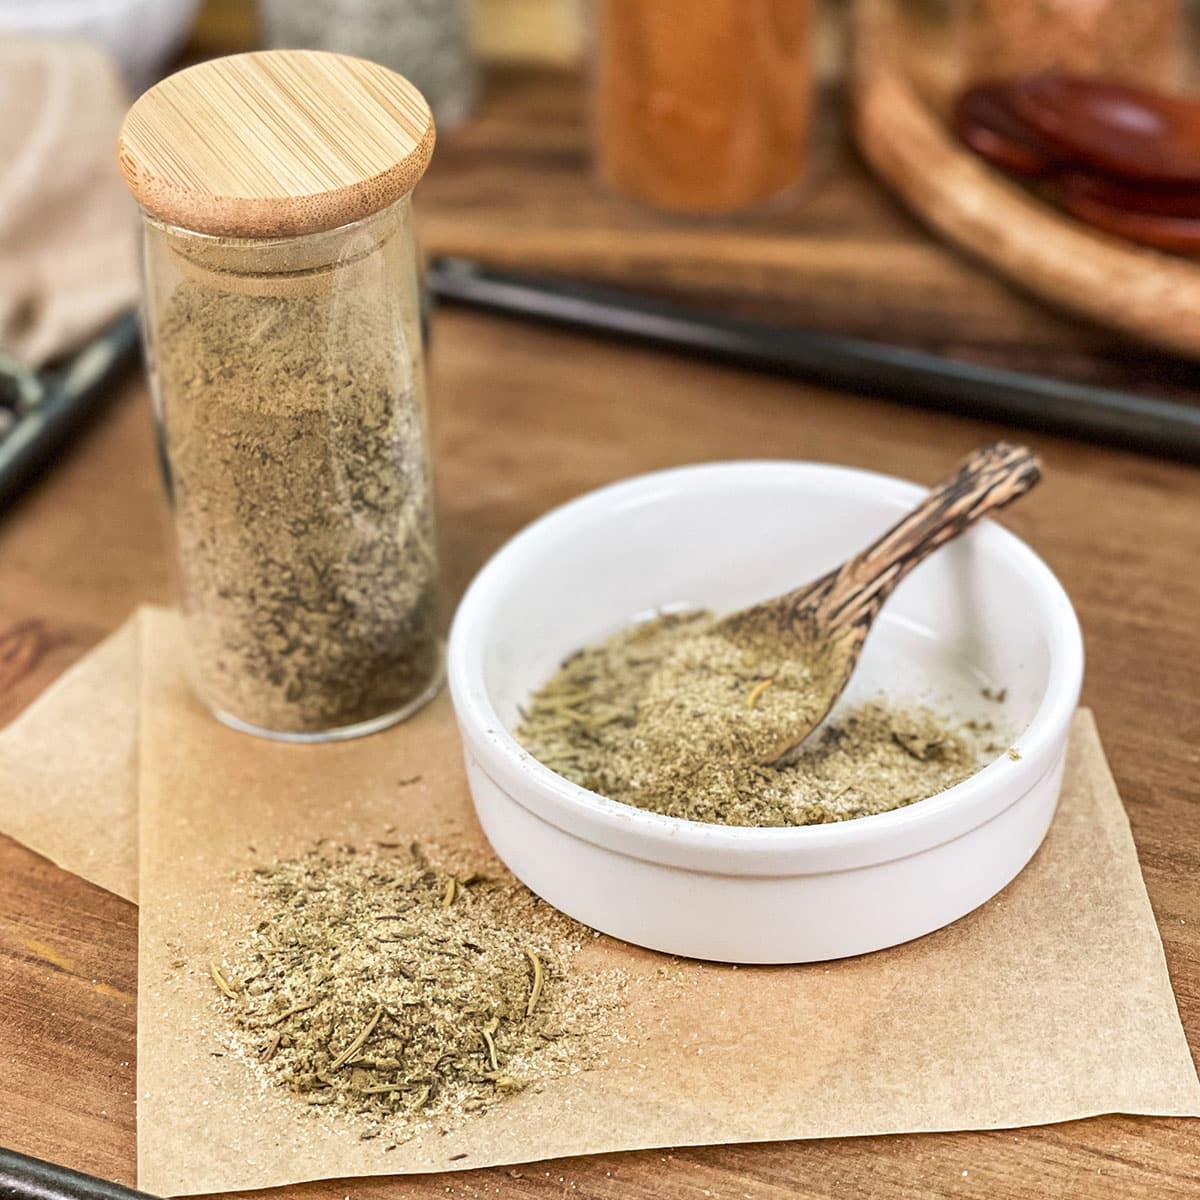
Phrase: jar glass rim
(216, 239)
(285, 261)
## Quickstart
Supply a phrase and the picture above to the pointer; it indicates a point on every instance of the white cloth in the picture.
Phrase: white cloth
(68, 228)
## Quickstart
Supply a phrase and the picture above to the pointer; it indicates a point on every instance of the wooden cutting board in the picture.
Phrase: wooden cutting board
(516, 189)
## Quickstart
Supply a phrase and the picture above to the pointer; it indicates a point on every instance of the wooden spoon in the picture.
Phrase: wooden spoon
(825, 623)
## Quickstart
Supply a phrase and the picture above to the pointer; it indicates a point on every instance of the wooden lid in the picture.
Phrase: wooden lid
(275, 143)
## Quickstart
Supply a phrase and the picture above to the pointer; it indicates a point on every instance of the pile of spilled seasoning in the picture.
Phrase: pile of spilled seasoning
(410, 992)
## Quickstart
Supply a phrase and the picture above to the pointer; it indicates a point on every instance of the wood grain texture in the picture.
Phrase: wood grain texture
(988, 480)
(525, 418)
(275, 142)
(829, 619)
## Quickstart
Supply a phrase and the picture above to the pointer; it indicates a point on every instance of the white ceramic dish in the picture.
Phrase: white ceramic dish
(984, 611)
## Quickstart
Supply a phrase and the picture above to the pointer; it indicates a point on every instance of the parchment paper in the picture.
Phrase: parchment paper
(1051, 1002)
(68, 782)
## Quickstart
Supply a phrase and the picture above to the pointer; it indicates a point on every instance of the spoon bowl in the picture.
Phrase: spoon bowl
(822, 625)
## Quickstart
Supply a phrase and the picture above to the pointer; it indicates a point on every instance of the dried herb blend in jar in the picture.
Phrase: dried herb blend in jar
(302, 501)
(611, 720)
(401, 988)
(283, 328)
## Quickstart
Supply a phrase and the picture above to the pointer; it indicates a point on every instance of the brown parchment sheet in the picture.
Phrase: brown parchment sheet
(1050, 1002)
(68, 780)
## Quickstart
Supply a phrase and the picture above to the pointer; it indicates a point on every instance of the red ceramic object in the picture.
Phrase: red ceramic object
(1178, 201)
(1114, 129)
(985, 121)
(1165, 219)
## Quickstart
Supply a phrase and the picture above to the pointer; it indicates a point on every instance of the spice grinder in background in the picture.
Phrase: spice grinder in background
(427, 41)
(703, 108)
(283, 332)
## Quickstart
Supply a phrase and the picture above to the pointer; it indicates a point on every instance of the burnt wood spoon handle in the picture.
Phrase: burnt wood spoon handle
(842, 605)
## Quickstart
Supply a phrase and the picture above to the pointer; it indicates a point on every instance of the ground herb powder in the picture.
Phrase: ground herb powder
(298, 472)
(634, 720)
(410, 991)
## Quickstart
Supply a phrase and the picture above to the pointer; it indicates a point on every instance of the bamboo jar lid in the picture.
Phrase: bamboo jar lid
(275, 143)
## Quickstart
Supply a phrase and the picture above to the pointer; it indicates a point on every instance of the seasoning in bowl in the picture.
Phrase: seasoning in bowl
(608, 721)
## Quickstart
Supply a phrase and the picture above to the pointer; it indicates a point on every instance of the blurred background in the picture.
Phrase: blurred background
(1001, 183)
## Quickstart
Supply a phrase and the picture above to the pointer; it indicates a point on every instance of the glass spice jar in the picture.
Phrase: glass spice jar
(703, 107)
(282, 322)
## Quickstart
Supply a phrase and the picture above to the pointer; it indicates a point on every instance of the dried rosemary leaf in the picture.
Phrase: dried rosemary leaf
(539, 979)
(223, 984)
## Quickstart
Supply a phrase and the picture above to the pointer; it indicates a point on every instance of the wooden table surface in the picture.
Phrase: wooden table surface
(526, 418)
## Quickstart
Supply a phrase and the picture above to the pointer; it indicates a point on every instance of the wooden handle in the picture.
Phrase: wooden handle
(845, 602)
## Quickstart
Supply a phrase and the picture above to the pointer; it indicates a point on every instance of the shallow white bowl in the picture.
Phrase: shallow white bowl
(986, 610)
